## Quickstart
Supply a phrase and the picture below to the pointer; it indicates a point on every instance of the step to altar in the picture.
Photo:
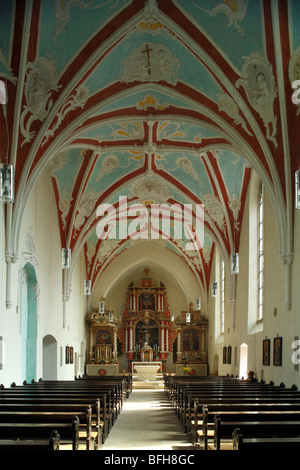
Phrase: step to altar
(141, 384)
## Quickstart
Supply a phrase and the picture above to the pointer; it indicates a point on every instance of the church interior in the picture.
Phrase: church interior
(149, 189)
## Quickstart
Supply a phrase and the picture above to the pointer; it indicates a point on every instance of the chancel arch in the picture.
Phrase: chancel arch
(161, 261)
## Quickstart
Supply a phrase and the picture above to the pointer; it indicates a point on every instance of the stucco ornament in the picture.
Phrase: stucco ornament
(294, 74)
(41, 80)
(150, 63)
(215, 210)
(259, 83)
(235, 11)
(150, 189)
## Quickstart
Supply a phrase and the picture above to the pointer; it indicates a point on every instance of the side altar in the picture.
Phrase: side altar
(191, 343)
(102, 352)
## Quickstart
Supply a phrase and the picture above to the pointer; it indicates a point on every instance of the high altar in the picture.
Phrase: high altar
(147, 334)
(147, 329)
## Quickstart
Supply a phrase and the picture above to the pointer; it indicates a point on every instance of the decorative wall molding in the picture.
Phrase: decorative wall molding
(294, 71)
(259, 83)
(41, 80)
(150, 63)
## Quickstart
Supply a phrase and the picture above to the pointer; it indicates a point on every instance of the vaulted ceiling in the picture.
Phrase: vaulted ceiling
(159, 101)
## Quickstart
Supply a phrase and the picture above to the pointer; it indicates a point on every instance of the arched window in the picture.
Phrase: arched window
(219, 298)
(260, 253)
(256, 256)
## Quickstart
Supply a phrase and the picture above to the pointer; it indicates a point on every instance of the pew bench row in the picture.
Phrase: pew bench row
(53, 443)
(80, 414)
(210, 413)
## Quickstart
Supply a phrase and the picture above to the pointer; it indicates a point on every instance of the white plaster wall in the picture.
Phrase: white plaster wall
(2, 287)
(40, 218)
(278, 321)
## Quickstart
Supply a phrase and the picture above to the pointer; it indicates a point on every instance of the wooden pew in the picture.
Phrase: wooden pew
(87, 398)
(114, 388)
(69, 431)
(69, 390)
(55, 413)
(66, 394)
(223, 430)
(243, 443)
(190, 395)
(205, 427)
(53, 443)
(125, 379)
(185, 392)
(54, 406)
(90, 436)
(188, 391)
(189, 409)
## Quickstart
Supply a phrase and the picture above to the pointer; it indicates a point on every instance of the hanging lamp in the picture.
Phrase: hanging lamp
(214, 289)
(234, 262)
(6, 183)
(102, 307)
(297, 189)
(87, 287)
(66, 258)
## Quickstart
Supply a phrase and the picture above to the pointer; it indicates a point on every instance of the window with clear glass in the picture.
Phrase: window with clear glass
(222, 297)
(260, 252)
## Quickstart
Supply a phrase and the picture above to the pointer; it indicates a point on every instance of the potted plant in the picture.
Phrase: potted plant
(186, 370)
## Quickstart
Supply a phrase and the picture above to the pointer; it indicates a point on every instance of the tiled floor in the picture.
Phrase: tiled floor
(147, 422)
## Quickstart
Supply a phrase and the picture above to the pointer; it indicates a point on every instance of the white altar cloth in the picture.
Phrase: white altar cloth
(147, 373)
(149, 363)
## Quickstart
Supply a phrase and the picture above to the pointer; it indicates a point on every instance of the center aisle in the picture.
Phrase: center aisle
(147, 422)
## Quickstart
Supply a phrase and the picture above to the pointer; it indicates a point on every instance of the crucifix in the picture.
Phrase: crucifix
(147, 51)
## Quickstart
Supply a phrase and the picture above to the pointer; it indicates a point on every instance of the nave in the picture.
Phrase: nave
(147, 422)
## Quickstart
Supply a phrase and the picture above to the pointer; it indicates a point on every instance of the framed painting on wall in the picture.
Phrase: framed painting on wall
(266, 352)
(224, 355)
(229, 355)
(277, 351)
(67, 354)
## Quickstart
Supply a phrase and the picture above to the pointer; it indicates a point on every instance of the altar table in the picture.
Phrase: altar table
(150, 363)
(147, 372)
(102, 369)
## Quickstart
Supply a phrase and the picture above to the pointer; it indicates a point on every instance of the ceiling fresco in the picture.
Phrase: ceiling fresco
(158, 101)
